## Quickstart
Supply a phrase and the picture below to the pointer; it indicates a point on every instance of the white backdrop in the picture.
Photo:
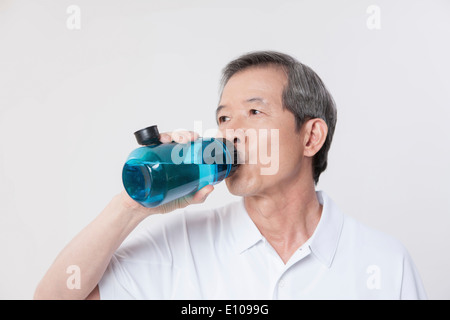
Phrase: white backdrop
(78, 77)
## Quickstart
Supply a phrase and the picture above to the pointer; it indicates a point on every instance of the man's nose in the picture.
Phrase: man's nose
(236, 132)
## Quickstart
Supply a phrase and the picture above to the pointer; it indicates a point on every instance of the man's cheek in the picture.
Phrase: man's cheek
(269, 151)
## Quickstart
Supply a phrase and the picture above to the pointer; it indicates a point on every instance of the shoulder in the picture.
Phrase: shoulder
(370, 241)
(383, 260)
(354, 239)
(191, 224)
(165, 236)
(211, 221)
(188, 216)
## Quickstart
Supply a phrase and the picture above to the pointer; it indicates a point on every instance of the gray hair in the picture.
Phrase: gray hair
(305, 95)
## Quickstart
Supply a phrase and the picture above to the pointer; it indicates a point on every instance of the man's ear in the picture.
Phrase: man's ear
(315, 133)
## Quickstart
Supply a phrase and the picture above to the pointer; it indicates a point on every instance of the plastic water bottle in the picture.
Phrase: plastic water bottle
(158, 173)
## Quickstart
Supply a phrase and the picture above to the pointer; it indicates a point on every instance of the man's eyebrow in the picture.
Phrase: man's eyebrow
(254, 99)
(218, 109)
(257, 99)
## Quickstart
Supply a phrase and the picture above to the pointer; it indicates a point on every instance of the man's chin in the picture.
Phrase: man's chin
(240, 185)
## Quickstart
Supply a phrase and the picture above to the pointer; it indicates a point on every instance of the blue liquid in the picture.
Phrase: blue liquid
(151, 178)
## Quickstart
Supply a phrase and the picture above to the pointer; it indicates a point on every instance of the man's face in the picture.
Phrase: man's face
(251, 103)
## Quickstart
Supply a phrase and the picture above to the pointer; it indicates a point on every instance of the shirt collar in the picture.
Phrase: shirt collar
(323, 242)
(325, 238)
(245, 231)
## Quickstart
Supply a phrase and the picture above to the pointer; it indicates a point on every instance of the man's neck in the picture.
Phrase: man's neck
(286, 217)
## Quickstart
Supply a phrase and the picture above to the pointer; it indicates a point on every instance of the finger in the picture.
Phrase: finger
(165, 138)
(184, 136)
(194, 135)
(201, 195)
(189, 135)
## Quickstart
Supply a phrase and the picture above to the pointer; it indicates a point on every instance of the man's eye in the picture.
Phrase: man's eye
(254, 111)
(223, 119)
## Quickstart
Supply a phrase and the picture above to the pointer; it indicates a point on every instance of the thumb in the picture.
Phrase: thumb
(201, 195)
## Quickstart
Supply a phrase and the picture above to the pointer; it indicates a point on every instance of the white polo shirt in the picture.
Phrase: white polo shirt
(220, 254)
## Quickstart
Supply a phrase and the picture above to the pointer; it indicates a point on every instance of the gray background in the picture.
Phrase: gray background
(71, 99)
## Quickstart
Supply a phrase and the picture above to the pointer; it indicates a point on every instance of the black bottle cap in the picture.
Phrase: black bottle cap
(147, 136)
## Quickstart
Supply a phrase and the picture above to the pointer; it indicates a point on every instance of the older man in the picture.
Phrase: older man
(281, 240)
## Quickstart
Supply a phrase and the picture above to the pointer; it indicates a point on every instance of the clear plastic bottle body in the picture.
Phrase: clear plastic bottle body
(156, 174)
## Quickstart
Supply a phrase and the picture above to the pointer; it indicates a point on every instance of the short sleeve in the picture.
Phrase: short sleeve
(142, 267)
(412, 287)
(125, 280)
